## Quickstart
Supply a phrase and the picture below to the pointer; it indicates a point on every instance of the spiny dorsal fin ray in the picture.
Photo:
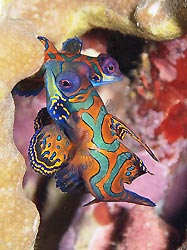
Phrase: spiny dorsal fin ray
(121, 129)
(72, 45)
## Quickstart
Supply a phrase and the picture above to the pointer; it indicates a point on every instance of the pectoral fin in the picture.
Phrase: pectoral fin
(42, 119)
(28, 87)
(49, 150)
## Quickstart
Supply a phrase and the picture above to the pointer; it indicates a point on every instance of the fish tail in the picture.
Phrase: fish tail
(132, 197)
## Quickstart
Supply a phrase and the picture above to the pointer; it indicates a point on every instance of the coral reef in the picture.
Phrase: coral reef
(162, 77)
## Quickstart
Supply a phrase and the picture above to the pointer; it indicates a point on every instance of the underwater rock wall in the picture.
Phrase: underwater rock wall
(58, 20)
(20, 56)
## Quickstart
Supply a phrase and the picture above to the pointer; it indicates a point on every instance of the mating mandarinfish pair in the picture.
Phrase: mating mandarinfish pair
(77, 139)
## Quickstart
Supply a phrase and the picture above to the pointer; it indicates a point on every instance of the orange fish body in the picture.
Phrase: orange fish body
(95, 157)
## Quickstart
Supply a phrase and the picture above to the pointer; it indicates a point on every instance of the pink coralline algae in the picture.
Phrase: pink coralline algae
(162, 109)
(169, 88)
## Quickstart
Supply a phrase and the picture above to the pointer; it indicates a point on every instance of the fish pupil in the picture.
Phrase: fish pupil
(65, 83)
(111, 67)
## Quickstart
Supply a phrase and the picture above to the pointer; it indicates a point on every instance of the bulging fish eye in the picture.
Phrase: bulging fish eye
(68, 81)
(65, 83)
(110, 68)
(108, 64)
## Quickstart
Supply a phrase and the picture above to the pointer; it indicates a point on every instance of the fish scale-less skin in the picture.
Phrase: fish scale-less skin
(79, 111)
(105, 174)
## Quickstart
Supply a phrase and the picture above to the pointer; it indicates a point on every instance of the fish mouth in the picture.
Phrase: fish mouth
(109, 80)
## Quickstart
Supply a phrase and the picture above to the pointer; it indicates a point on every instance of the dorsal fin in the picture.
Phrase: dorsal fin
(121, 129)
(72, 45)
(50, 50)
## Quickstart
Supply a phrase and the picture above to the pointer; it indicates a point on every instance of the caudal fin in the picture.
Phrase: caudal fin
(132, 197)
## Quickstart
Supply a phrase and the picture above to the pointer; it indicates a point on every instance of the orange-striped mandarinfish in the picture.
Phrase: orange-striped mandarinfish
(80, 142)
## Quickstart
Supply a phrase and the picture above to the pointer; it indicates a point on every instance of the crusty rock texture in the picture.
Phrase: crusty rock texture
(58, 20)
(20, 56)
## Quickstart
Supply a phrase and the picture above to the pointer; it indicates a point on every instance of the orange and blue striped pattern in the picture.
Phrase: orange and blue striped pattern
(80, 142)
(103, 69)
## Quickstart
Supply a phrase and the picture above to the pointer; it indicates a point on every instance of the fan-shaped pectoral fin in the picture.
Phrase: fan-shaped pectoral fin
(49, 150)
(28, 87)
(42, 119)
